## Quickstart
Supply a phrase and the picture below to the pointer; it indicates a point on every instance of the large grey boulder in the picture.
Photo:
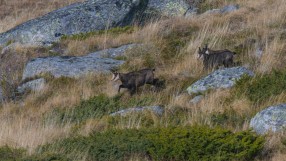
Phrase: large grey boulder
(76, 18)
(71, 66)
(158, 110)
(223, 78)
(89, 16)
(272, 119)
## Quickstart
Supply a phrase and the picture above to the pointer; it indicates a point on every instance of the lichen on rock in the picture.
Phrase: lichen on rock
(223, 78)
(272, 118)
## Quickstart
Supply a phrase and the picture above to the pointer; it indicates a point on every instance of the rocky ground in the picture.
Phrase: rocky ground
(58, 103)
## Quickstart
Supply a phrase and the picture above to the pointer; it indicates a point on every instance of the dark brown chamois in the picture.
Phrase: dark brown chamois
(135, 79)
(215, 58)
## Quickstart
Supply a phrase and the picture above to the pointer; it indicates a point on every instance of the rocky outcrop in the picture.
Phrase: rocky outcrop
(272, 119)
(155, 109)
(71, 66)
(34, 85)
(223, 78)
(89, 16)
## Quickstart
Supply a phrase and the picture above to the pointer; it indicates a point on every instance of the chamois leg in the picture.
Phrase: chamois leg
(228, 63)
(121, 86)
(225, 64)
(132, 90)
(231, 63)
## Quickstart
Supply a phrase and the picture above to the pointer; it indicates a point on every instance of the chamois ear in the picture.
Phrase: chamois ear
(112, 71)
(206, 46)
(200, 49)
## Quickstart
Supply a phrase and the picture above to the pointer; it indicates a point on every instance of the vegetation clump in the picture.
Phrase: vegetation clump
(9, 154)
(262, 87)
(172, 143)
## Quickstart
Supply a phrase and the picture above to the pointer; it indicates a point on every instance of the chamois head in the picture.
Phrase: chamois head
(115, 76)
(202, 52)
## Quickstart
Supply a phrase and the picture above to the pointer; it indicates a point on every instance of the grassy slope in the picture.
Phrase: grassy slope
(171, 47)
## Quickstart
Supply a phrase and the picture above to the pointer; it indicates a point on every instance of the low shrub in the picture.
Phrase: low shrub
(172, 143)
(262, 87)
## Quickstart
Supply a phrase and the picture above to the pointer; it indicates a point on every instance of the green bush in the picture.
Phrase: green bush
(173, 143)
(262, 87)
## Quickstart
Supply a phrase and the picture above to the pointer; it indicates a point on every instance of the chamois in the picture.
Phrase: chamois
(215, 58)
(135, 79)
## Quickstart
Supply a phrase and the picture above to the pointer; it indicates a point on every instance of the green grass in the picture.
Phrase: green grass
(112, 31)
(96, 108)
(262, 87)
(11, 154)
(175, 41)
(172, 143)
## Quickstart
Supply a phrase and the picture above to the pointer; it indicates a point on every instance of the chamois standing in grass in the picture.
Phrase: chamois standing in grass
(215, 58)
(135, 79)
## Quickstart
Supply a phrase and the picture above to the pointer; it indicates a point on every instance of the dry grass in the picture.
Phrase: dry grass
(263, 21)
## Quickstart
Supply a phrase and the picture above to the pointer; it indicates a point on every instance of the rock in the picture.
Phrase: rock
(191, 12)
(223, 78)
(1, 95)
(34, 85)
(229, 8)
(89, 16)
(272, 119)
(196, 99)
(76, 18)
(226, 9)
(156, 109)
(116, 52)
(167, 7)
(212, 11)
(70, 66)
(258, 52)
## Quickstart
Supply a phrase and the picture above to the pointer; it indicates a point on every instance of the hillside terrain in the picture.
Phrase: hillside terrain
(58, 102)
